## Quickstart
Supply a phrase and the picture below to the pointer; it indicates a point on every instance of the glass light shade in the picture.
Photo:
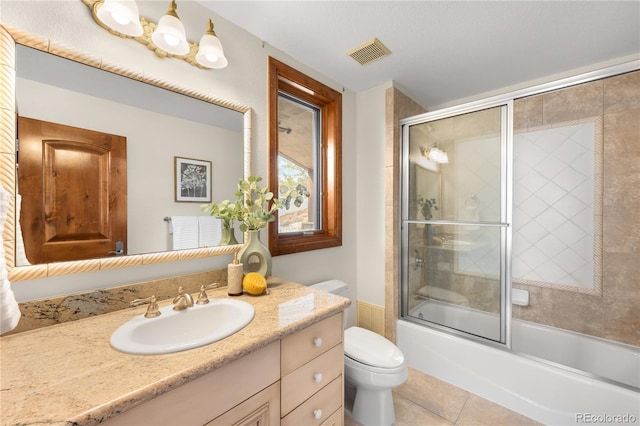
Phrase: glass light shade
(170, 36)
(121, 16)
(437, 155)
(210, 53)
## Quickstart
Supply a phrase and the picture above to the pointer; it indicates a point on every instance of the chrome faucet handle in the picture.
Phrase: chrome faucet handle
(203, 299)
(182, 300)
(152, 310)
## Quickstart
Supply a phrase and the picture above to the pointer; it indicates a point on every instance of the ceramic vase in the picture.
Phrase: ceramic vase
(254, 256)
(228, 236)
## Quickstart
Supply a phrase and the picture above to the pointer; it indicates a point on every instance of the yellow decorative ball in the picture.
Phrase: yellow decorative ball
(254, 283)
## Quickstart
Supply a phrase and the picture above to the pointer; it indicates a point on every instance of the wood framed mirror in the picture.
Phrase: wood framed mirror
(9, 39)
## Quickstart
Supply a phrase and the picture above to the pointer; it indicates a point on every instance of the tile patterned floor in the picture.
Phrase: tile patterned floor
(424, 400)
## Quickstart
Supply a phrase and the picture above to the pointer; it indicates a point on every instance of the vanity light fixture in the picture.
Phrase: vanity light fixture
(166, 39)
(169, 34)
(121, 16)
(435, 154)
(210, 53)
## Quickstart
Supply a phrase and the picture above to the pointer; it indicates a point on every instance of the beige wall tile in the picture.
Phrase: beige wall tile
(527, 112)
(621, 320)
(622, 92)
(573, 103)
(577, 312)
(398, 106)
(371, 317)
(621, 271)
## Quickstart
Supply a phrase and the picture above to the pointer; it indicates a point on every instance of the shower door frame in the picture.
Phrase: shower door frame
(506, 196)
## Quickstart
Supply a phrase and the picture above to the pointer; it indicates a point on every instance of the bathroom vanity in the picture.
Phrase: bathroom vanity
(286, 367)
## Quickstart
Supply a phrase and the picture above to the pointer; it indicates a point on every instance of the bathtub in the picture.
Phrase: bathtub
(549, 393)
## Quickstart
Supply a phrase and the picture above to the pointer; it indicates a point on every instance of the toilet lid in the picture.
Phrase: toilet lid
(371, 348)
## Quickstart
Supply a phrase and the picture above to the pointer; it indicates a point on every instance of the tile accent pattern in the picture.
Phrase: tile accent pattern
(556, 205)
(371, 317)
(615, 313)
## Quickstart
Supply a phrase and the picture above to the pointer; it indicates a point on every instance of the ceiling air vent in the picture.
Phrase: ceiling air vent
(369, 52)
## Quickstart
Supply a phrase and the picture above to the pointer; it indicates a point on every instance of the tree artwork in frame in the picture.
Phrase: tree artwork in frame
(192, 180)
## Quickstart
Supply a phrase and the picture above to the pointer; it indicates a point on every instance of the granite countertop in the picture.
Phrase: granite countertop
(69, 373)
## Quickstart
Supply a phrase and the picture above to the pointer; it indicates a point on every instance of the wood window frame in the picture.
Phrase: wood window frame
(284, 77)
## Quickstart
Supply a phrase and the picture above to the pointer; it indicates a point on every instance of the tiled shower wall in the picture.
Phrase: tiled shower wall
(615, 314)
(555, 238)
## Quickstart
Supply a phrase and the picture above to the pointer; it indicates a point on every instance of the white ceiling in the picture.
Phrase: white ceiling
(442, 51)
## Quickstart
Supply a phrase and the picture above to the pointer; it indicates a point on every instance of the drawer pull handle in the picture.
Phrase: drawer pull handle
(317, 414)
(317, 377)
(317, 342)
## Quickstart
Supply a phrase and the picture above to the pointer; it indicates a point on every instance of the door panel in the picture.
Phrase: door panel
(455, 224)
(73, 186)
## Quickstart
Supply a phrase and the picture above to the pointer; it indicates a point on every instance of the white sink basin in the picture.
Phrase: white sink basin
(175, 331)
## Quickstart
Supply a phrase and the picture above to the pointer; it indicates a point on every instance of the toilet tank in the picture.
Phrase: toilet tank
(335, 287)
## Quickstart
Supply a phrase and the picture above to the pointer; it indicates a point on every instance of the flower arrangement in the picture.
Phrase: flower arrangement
(255, 212)
(426, 204)
(254, 205)
(225, 210)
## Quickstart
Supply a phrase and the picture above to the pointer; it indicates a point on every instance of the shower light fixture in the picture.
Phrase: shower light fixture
(166, 39)
(435, 154)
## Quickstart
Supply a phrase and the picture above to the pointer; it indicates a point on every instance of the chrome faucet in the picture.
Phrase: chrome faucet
(182, 301)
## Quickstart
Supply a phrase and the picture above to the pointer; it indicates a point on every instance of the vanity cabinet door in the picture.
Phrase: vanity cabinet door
(261, 409)
(208, 397)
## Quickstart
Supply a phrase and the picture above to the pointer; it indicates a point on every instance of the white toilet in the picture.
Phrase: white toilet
(372, 367)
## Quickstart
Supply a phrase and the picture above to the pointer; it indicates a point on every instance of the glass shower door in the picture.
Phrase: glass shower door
(455, 222)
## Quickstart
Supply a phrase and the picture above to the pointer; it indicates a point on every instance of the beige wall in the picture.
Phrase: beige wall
(243, 82)
(615, 314)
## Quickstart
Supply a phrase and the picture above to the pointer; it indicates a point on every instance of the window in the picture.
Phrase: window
(305, 149)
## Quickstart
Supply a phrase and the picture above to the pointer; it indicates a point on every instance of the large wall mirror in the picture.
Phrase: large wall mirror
(161, 121)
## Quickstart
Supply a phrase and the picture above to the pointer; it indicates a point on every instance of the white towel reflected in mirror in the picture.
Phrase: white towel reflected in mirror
(209, 231)
(184, 230)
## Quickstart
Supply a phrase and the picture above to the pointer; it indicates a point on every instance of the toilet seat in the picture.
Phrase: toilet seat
(353, 363)
(371, 349)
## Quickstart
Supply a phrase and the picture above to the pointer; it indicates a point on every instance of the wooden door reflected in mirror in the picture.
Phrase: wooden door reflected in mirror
(73, 184)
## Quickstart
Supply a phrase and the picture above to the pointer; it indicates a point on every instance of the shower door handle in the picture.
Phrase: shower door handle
(418, 261)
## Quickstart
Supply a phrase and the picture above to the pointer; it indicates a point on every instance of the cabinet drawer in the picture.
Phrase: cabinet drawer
(299, 348)
(311, 377)
(336, 419)
(318, 408)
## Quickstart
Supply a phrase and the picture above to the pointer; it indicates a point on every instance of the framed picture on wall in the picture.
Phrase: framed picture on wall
(192, 180)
